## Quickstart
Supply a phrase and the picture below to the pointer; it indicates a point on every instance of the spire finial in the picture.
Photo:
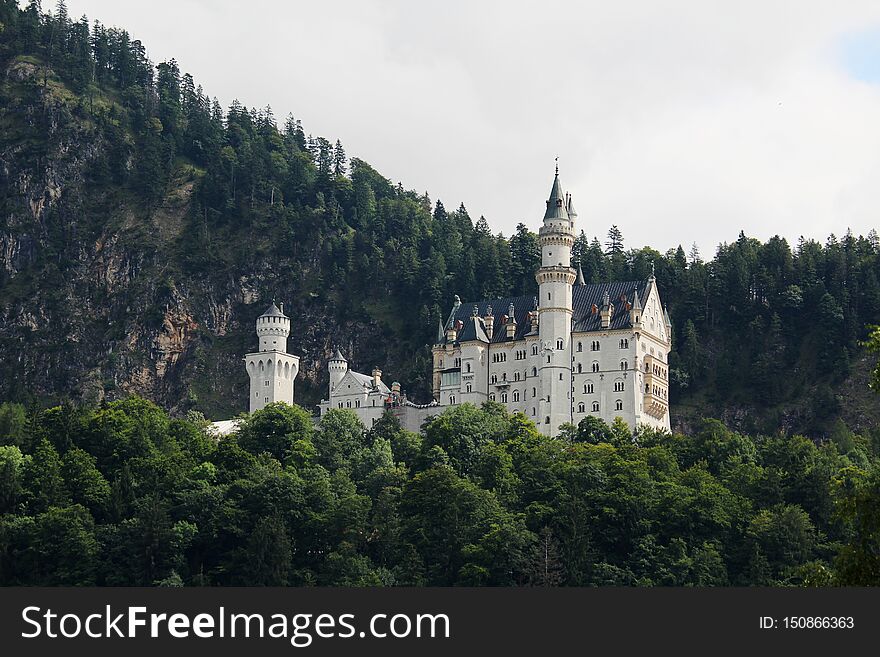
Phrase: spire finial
(652, 269)
(557, 165)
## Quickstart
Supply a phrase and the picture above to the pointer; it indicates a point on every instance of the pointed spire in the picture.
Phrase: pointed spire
(652, 277)
(556, 203)
(637, 301)
(337, 355)
(440, 334)
(569, 207)
(580, 278)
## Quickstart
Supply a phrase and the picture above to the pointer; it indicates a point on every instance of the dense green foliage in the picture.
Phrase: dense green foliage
(124, 495)
(209, 211)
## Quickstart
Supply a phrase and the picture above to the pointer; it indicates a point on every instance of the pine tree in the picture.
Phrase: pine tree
(339, 160)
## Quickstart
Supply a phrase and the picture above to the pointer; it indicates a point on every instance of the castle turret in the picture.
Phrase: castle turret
(635, 312)
(555, 280)
(273, 328)
(271, 369)
(337, 366)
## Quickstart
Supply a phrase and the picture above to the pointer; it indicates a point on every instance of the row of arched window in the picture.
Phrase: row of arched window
(582, 407)
(515, 394)
(595, 345)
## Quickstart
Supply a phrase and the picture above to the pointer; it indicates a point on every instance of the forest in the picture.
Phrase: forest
(125, 495)
(143, 227)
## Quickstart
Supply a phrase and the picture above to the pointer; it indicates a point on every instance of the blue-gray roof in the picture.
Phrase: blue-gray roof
(583, 319)
(556, 203)
(273, 311)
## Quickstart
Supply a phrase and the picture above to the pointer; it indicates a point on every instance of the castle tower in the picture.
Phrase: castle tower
(337, 366)
(555, 280)
(271, 369)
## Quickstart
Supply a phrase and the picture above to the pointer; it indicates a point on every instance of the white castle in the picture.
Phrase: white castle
(574, 350)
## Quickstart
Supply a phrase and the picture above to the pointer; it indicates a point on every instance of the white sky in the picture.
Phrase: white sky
(680, 122)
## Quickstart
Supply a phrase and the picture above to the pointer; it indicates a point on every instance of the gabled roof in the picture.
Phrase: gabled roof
(362, 380)
(584, 296)
(583, 319)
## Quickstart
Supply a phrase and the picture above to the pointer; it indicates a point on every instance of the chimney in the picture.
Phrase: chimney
(281, 307)
(377, 377)
(511, 322)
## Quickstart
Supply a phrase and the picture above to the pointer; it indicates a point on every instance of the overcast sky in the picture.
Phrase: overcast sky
(680, 122)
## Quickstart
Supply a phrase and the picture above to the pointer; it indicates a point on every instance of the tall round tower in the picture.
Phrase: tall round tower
(555, 280)
(271, 369)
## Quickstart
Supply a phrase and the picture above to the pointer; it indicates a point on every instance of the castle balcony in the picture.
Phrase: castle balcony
(656, 387)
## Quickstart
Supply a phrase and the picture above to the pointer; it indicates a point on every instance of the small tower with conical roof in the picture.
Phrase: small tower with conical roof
(337, 367)
(271, 369)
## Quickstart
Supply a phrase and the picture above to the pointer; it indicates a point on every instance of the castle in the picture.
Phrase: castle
(574, 350)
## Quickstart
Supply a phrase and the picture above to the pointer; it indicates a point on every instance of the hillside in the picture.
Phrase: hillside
(143, 228)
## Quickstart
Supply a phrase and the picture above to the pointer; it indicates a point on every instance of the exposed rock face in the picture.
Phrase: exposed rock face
(92, 303)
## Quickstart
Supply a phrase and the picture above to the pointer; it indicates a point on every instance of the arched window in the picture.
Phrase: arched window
(494, 378)
(534, 350)
(516, 376)
(469, 388)
(595, 366)
(534, 411)
(580, 347)
(595, 407)
(534, 392)
(467, 367)
(580, 368)
(588, 388)
(357, 403)
(451, 399)
(534, 371)
(559, 345)
(547, 420)
(548, 359)
(581, 408)
(348, 404)
(618, 405)
(491, 396)
(504, 376)
(623, 365)
(503, 397)
(516, 395)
